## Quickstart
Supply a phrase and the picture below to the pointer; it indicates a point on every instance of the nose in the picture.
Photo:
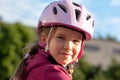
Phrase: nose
(68, 45)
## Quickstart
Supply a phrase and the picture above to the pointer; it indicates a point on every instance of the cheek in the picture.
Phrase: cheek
(53, 46)
(76, 51)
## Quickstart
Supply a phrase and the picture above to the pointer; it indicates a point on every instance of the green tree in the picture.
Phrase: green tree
(78, 74)
(113, 72)
(82, 70)
(111, 38)
(99, 74)
(13, 38)
(107, 37)
(85, 71)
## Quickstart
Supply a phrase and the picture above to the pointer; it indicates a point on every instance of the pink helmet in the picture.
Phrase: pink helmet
(69, 14)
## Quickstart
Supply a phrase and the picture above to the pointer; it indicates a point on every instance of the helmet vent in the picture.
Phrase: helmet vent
(77, 12)
(76, 4)
(63, 7)
(93, 24)
(88, 17)
(55, 10)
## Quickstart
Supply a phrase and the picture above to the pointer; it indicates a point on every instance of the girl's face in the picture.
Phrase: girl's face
(65, 45)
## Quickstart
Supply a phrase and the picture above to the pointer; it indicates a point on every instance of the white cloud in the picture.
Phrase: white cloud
(115, 3)
(26, 11)
(115, 21)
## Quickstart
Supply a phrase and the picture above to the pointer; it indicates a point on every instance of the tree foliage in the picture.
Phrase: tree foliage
(108, 37)
(13, 38)
(85, 71)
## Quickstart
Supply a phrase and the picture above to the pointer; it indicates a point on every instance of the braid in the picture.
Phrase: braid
(70, 69)
(20, 69)
(34, 50)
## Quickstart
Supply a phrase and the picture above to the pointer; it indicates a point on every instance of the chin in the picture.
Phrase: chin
(65, 64)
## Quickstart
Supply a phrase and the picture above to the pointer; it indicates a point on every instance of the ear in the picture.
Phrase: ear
(43, 38)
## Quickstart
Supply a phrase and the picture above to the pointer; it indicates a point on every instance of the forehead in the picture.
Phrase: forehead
(62, 30)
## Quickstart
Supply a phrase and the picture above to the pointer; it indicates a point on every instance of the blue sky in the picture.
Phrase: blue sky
(105, 12)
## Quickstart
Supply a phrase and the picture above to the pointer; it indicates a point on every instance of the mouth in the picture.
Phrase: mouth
(67, 54)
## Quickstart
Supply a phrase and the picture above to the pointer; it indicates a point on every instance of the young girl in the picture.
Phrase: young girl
(62, 29)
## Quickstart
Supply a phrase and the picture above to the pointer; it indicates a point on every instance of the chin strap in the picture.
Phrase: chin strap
(80, 53)
(70, 68)
(48, 37)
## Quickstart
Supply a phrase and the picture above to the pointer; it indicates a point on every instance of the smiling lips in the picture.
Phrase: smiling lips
(67, 54)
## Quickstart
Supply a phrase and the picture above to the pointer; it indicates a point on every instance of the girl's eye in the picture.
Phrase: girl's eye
(60, 37)
(76, 41)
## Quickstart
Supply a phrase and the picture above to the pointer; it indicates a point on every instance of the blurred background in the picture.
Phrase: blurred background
(101, 56)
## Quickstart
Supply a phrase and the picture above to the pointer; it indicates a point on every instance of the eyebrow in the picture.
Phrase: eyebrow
(60, 34)
(79, 37)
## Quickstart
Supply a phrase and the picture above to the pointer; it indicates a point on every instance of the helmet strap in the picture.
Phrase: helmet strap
(48, 38)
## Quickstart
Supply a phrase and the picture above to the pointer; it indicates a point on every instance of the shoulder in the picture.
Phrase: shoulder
(57, 72)
(49, 72)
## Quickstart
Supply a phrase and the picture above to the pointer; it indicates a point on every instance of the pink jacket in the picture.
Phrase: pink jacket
(41, 68)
